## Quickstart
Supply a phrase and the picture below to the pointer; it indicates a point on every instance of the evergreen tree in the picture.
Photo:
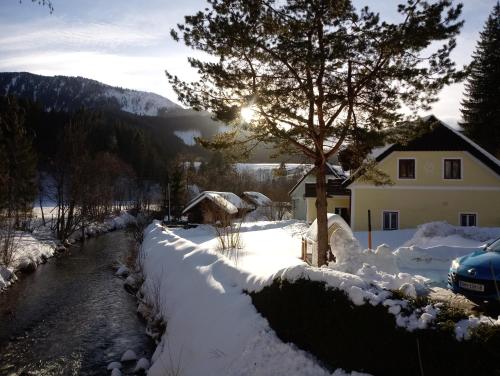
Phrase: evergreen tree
(481, 106)
(17, 161)
(303, 74)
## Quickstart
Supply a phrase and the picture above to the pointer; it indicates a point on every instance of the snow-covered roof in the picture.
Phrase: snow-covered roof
(258, 198)
(472, 143)
(378, 151)
(333, 219)
(227, 201)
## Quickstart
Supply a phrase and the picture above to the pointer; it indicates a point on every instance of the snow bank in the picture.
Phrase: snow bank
(110, 224)
(32, 249)
(427, 251)
(442, 233)
(332, 220)
(212, 326)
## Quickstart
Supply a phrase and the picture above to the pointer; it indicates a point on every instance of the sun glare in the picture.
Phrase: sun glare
(247, 114)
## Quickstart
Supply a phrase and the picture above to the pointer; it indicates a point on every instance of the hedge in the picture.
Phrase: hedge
(324, 322)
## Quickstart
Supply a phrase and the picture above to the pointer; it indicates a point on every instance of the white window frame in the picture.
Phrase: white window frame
(461, 168)
(390, 211)
(415, 172)
(468, 213)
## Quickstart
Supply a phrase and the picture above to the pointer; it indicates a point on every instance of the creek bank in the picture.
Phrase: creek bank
(72, 315)
(35, 247)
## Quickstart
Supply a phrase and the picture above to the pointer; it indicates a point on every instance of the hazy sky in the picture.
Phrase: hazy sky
(127, 43)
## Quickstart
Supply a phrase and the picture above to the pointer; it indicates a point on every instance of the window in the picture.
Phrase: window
(406, 168)
(453, 169)
(391, 220)
(468, 219)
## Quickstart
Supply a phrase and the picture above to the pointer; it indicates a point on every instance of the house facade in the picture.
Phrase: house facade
(303, 195)
(439, 176)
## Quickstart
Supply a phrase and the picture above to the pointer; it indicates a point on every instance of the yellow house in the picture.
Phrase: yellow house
(439, 176)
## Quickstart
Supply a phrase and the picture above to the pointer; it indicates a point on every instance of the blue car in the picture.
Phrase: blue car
(477, 275)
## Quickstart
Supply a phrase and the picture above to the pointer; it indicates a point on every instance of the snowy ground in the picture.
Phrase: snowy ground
(35, 247)
(212, 326)
(429, 250)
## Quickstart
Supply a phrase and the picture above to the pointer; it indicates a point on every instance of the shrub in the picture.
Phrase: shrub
(324, 322)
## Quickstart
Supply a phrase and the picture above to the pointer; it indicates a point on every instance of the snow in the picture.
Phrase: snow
(213, 328)
(139, 102)
(376, 152)
(35, 247)
(116, 372)
(265, 171)
(188, 136)
(142, 365)
(463, 327)
(29, 252)
(114, 365)
(122, 271)
(128, 356)
(483, 151)
(429, 250)
(332, 219)
(227, 201)
(258, 198)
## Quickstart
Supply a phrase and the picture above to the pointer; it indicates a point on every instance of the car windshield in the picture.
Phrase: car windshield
(495, 246)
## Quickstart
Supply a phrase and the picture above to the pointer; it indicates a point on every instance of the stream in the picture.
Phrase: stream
(72, 316)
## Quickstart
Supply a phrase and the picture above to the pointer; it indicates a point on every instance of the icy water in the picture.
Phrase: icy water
(72, 316)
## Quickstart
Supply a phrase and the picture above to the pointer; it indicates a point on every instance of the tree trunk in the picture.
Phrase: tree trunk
(321, 210)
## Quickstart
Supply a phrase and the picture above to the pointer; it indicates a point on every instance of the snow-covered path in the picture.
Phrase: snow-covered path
(212, 326)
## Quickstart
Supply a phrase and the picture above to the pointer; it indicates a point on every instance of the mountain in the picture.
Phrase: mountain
(170, 125)
(62, 93)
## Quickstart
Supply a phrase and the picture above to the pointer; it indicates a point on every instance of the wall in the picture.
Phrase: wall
(332, 203)
(429, 197)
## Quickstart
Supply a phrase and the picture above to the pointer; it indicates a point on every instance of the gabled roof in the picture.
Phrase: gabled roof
(332, 170)
(257, 198)
(227, 201)
(441, 137)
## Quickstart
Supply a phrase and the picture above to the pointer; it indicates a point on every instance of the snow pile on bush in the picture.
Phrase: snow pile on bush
(464, 327)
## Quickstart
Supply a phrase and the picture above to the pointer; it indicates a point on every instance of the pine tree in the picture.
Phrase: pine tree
(481, 106)
(303, 74)
(18, 185)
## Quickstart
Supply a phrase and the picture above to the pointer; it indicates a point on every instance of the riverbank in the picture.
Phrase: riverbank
(34, 247)
(72, 316)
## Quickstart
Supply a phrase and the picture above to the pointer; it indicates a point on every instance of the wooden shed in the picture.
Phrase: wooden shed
(212, 207)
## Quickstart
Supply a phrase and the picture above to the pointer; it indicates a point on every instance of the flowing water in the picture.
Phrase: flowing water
(72, 316)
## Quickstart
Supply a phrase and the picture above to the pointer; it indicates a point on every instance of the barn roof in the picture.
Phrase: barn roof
(258, 198)
(227, 201)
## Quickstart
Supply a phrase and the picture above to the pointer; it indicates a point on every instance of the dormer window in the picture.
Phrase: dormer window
(452, 169)
(406, 168)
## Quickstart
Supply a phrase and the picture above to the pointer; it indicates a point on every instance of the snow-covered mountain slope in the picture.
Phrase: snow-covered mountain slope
(71, 93)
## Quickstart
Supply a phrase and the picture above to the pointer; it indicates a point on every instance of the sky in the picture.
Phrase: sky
(127, 43)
